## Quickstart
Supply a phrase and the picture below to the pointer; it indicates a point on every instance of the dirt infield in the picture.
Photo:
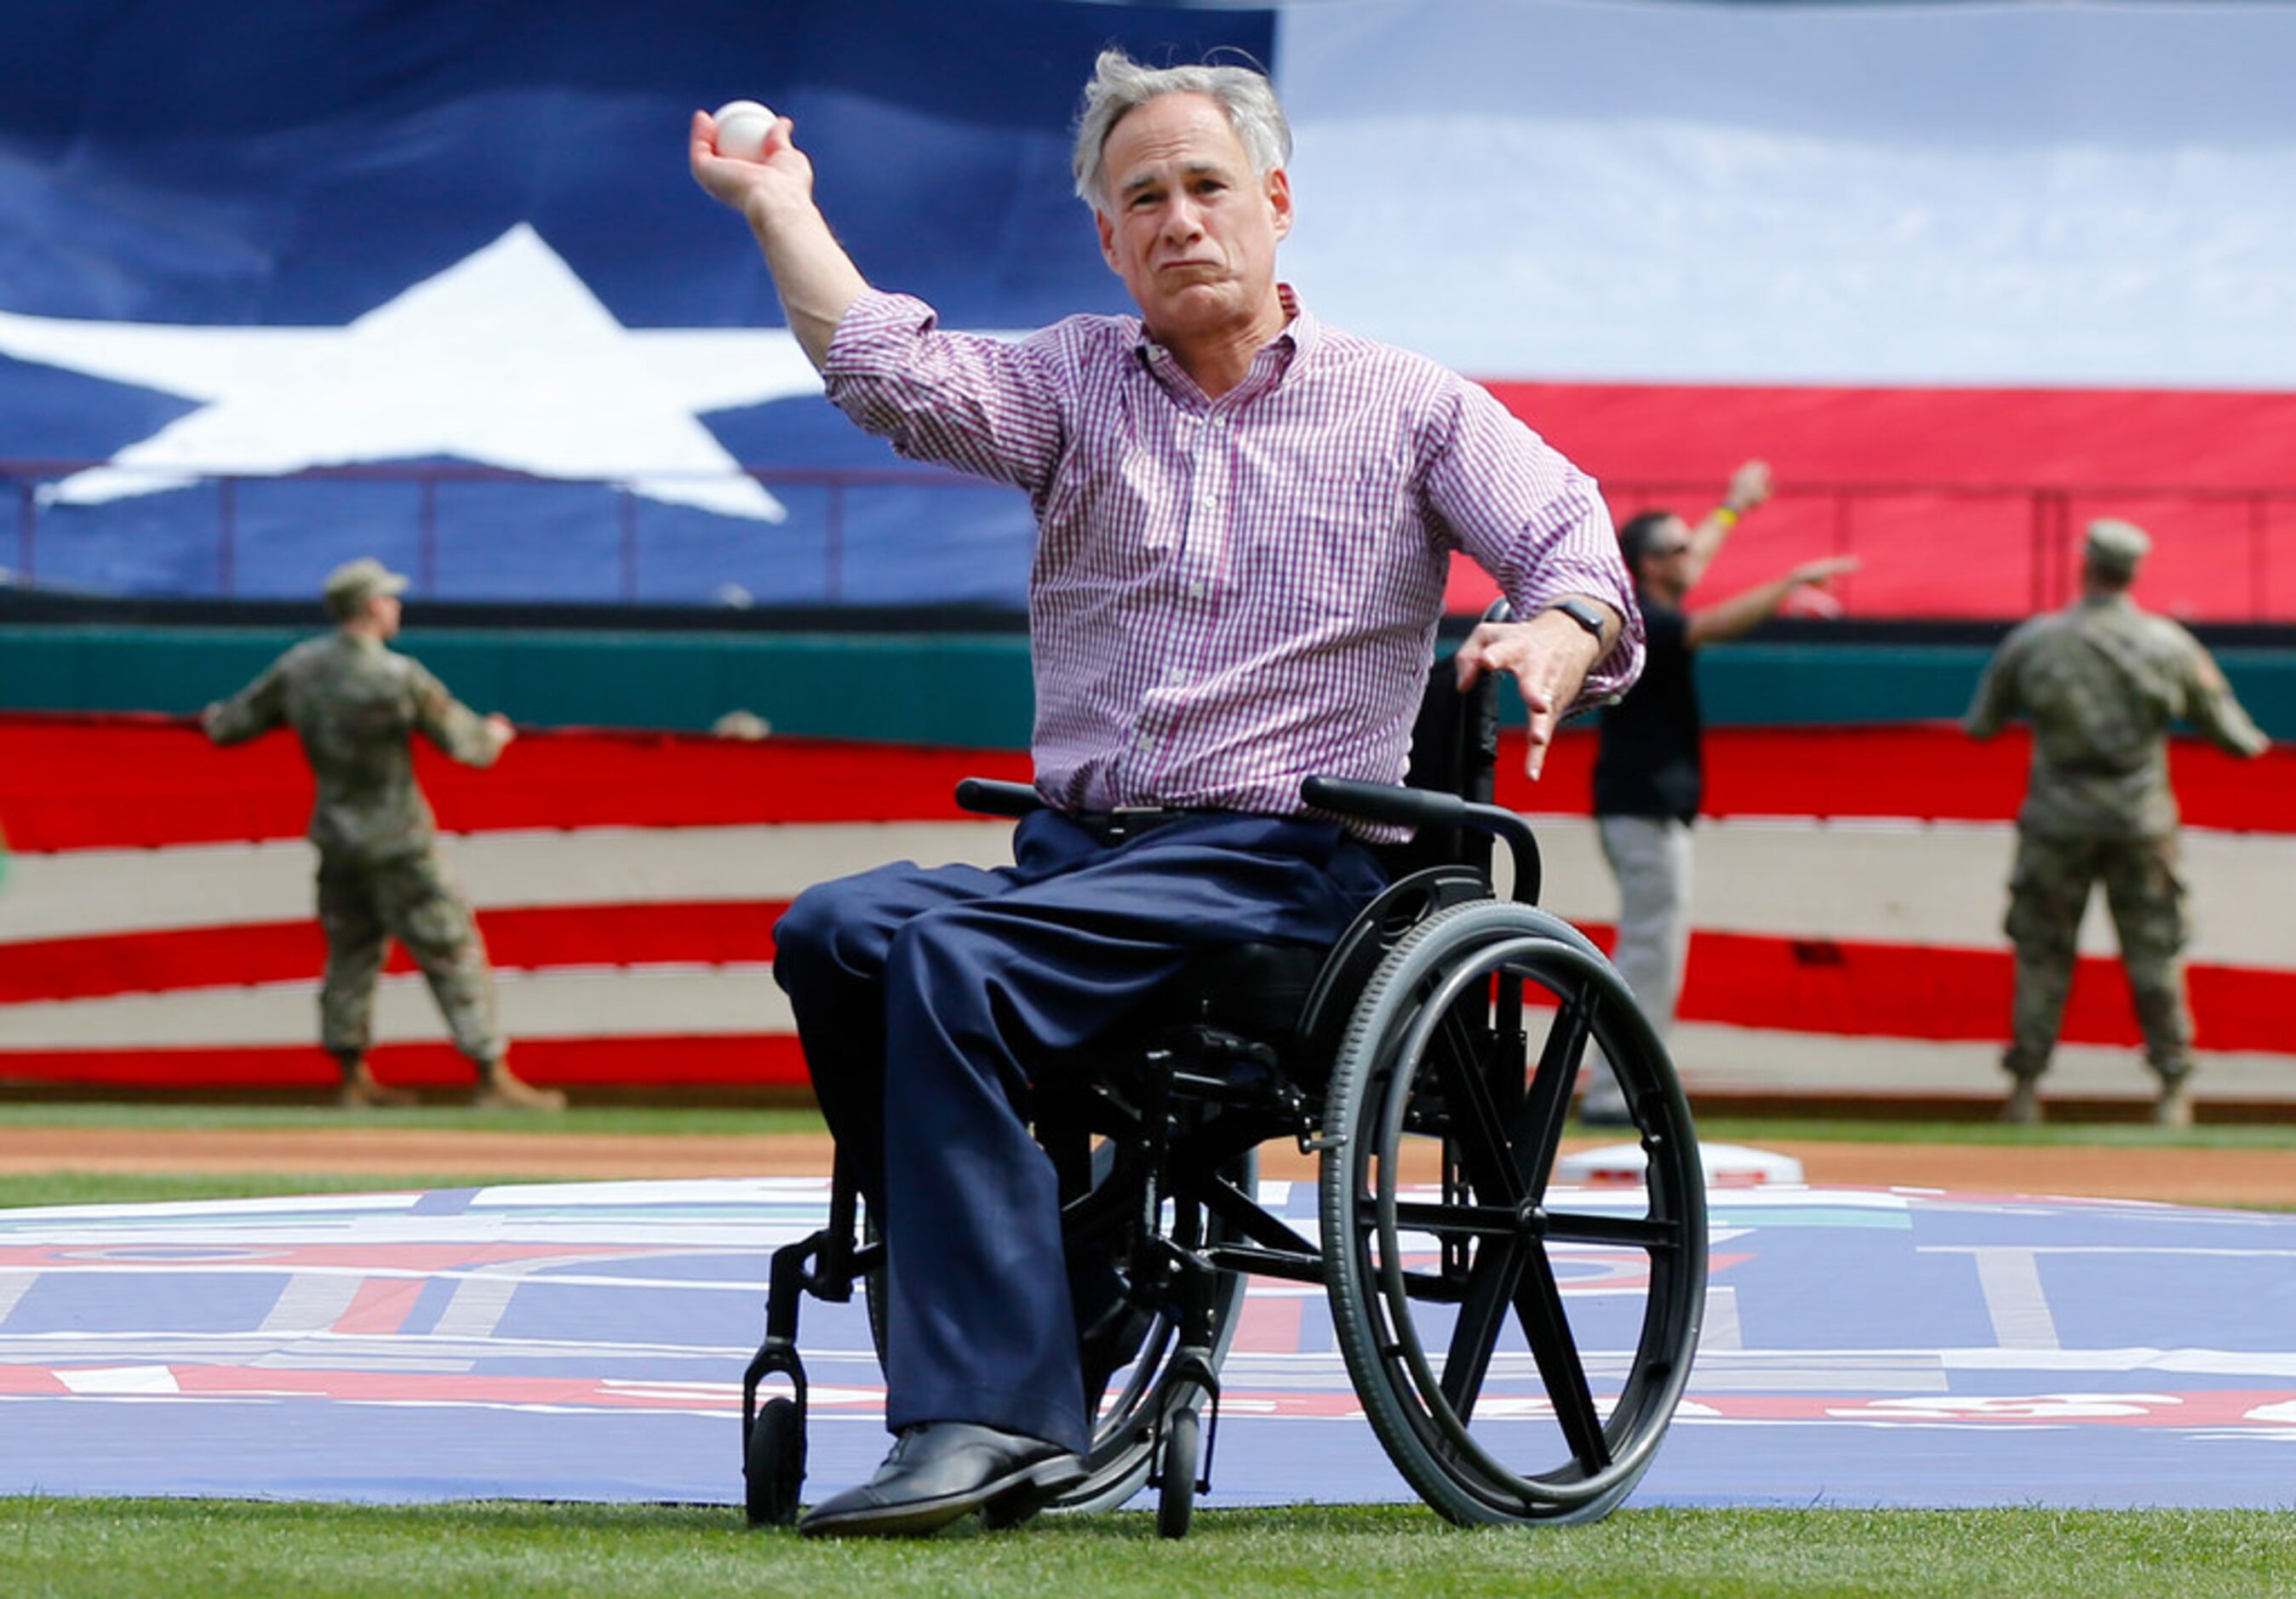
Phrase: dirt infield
(2190, 1176)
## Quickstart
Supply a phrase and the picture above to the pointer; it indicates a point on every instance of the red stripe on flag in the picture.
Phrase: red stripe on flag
(1845, 988)
(740, 1061)
(532, 937)
(2079, 440)
(70, 784)
(1957, 502)
(122, 781)
(1924, 772)
(1914, 991)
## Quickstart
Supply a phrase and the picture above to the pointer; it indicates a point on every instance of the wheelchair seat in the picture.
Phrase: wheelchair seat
(1253, 991)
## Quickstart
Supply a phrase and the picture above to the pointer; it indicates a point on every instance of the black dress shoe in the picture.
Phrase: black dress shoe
(939, 1472)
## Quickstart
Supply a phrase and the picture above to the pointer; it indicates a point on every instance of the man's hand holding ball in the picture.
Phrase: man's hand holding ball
(742, 154)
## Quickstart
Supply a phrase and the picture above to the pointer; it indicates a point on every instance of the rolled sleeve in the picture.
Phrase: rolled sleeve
(1537, 525)
(979, 403)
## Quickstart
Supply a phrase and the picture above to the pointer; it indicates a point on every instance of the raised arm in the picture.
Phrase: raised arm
(1742, 613)
(816, 280)
(1750, 485)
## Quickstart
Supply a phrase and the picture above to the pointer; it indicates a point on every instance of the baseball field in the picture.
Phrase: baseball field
(76, 1153)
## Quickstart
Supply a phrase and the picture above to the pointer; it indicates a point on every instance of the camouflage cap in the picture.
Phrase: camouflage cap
(2113, 547)
(350, 586)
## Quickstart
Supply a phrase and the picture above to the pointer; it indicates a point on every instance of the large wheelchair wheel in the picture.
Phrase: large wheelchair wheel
(1518, 1354)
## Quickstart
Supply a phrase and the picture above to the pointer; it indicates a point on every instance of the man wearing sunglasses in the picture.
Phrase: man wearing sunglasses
(1649, 774)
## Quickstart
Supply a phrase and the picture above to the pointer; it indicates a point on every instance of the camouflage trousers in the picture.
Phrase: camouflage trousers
(362, 905)
(2145, 891)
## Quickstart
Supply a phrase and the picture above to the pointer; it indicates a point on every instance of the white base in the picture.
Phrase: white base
(1728, 1166)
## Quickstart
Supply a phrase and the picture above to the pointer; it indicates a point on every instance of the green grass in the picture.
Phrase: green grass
(2104, 1135)
(750, 1120)
(592, 1120)
(128, 1549)
(25, 1189)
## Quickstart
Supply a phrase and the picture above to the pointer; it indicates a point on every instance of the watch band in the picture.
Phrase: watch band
(1582, 613)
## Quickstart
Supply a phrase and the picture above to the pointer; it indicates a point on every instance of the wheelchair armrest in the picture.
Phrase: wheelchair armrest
(1424, 807)
(994, 797)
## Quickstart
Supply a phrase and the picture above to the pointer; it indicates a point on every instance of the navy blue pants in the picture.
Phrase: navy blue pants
(929, 999)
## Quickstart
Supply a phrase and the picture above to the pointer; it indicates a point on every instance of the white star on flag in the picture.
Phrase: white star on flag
(503, 359)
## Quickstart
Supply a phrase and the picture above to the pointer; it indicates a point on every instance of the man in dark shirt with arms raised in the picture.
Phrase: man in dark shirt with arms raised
(1650, 768)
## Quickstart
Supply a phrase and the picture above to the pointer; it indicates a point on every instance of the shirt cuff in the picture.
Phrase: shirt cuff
(874, 332)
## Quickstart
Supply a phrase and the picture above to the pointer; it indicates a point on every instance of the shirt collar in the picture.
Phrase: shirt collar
(1294, 342)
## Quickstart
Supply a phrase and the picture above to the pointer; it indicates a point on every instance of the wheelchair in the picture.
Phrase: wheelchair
(1426, 1064)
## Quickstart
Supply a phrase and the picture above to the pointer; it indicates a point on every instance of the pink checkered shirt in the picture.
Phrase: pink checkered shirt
(1229, 595)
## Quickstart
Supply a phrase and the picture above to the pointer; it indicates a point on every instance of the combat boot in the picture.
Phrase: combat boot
(2174, 1107)
(361, 1092)
(2024, 1106)
(504, 1090)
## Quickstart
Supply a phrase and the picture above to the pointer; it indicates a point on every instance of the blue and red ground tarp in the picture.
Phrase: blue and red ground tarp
(1863, 1346)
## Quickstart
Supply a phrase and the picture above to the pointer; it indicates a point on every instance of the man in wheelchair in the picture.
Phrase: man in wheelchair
(1245, 521)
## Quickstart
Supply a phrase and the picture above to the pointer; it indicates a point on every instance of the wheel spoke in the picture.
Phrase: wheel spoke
(1637, 1232)
(1457, 1221)
(1546, 1105)
(1490, 1290)
(1539, 1303)
(1478, 1128)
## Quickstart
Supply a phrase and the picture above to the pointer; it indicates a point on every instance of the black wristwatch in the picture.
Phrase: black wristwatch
(1582, 613)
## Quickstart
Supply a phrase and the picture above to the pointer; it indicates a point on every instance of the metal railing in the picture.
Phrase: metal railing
(1956, 550)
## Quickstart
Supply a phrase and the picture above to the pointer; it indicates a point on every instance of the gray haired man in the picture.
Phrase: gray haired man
(1245, 518)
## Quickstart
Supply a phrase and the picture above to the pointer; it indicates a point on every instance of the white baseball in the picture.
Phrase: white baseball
(743, 126)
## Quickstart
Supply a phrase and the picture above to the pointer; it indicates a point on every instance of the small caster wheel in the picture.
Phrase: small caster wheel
(1176, 1500)
(772, 1467)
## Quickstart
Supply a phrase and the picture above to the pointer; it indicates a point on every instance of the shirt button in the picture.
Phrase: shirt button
(1196, 591)
(1147, 742)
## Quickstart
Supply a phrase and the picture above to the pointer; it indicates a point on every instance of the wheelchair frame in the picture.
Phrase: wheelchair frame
(1409, 1060)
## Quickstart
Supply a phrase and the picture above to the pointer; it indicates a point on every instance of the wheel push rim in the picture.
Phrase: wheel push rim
(1597, 1461)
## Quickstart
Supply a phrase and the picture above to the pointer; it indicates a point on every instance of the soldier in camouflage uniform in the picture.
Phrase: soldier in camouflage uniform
(2101, 681)
(354, 702)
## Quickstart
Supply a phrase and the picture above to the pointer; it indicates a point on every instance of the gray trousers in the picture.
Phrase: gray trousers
(1650, 857)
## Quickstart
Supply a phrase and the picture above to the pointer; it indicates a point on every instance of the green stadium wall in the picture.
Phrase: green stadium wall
(966, 690)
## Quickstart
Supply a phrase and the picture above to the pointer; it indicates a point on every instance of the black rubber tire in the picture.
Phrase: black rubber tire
(1426, 1064)
(1183, 1453)
(773, 1465)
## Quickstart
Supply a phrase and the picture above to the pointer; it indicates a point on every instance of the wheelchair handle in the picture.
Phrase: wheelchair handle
(994, 797)
(1425, 807)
